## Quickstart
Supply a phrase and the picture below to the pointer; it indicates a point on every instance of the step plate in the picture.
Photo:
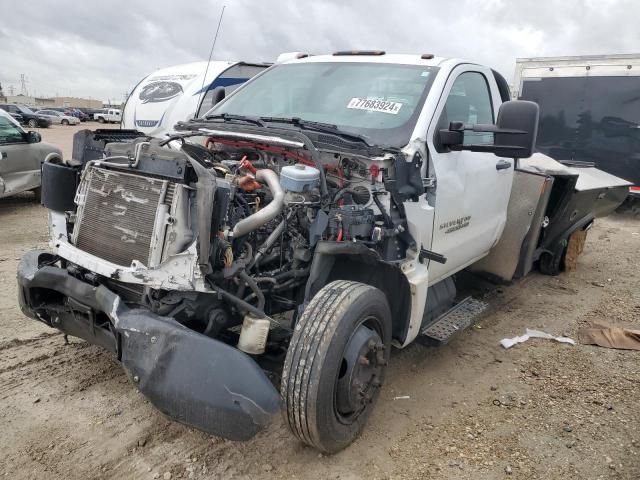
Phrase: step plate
(457, 318)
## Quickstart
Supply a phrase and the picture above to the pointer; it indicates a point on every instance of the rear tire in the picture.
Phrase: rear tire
(335, 364)
(552, 263)
(100, 120)
(65, 122)
(38, 194)
(32, 123)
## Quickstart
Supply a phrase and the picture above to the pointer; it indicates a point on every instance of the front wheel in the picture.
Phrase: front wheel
(335, 364)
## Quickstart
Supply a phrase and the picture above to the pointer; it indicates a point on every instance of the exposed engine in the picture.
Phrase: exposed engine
(250, 214)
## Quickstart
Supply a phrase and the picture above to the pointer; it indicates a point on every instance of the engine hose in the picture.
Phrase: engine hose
(241, 304)
(254, 288)
(387, 219)
(292, 274)
(267, 213)
(268, 243)
(341, 193)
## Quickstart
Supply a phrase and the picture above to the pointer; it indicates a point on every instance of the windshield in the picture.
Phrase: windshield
(379, 100)
(26, 110)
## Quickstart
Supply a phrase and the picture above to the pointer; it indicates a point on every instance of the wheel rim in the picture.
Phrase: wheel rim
(360, 375)
(32, 123)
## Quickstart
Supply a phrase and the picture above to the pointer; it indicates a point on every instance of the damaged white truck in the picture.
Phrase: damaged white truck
(322, 213)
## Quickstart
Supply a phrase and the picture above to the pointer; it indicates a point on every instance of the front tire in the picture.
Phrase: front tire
(335, 364)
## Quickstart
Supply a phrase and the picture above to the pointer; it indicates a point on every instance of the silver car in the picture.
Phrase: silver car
(21, 157)
(58, 117)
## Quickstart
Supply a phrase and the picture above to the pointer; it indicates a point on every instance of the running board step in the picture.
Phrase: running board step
(457, 318)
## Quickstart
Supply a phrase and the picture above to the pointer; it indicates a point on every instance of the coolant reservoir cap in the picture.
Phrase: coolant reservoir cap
(299, 177)
(300, 171)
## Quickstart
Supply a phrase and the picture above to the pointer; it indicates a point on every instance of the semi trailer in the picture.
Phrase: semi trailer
(330, 214)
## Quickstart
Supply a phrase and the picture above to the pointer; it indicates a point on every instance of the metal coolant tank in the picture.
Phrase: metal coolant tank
(299, 178)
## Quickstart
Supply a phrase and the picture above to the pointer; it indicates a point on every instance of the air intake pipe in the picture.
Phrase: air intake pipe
(267, 213)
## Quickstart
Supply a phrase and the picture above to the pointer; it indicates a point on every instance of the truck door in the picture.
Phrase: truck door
(472, 189)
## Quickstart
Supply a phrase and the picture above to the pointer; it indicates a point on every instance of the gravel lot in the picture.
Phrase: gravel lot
(541, 410)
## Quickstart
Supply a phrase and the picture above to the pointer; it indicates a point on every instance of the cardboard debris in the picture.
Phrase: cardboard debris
(610, 337)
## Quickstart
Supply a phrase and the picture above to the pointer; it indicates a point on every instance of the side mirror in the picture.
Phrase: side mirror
(514, 134)
(517, 115)
(33, 137)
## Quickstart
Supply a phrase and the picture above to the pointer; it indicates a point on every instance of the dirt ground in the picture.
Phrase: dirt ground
(468, 410)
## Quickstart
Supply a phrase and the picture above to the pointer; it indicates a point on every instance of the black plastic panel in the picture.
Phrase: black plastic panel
(590, 119)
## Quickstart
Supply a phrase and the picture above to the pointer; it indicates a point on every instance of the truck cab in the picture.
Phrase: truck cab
(311, 220)
(108, 115)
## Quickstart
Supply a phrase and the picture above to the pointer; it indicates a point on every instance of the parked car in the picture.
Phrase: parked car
(21, 156)
(65, 110)
(29, 117)
(108, 115)
(80, 114)
(90, 111)
(59, 117)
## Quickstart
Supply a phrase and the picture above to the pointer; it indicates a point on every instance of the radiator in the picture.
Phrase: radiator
(117, 215)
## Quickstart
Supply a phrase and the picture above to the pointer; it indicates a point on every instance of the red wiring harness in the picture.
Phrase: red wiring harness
(260, 146)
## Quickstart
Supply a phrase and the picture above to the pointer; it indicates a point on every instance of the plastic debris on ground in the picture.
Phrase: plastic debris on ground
(510, 342)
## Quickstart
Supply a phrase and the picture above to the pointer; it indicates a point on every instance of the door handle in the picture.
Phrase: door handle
(503, 165)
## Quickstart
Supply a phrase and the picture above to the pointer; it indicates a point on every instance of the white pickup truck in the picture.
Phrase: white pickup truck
(108, 115)
(270, 254)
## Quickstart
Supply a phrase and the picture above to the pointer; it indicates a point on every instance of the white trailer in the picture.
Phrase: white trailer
(182, 92)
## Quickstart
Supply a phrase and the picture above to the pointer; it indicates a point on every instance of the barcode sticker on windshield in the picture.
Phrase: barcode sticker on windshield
(375, 105)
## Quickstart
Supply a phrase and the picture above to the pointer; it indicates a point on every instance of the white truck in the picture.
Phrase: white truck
(108, 115)
(338, 201)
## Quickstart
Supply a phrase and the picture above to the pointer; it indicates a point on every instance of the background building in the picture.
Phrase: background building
(54, 101)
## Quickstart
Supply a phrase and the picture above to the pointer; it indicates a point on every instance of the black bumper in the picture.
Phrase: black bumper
(189, 377)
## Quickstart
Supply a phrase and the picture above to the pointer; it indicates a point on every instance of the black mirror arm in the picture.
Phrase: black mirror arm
(486, 148)
(483, 128)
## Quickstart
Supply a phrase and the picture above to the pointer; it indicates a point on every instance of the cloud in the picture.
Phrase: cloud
(102, 49)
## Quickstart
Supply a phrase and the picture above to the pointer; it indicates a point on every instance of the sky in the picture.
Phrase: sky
(101, 49)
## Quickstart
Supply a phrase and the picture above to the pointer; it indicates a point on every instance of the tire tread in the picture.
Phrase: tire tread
(310, 343)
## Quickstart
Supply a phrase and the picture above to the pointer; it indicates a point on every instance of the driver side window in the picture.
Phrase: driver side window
(469, 102)
(9, 132)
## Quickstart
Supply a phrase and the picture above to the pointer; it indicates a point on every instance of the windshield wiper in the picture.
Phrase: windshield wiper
(229, 117)
(318, 127)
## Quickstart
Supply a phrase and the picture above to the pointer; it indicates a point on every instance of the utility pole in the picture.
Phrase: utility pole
(23, 85)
